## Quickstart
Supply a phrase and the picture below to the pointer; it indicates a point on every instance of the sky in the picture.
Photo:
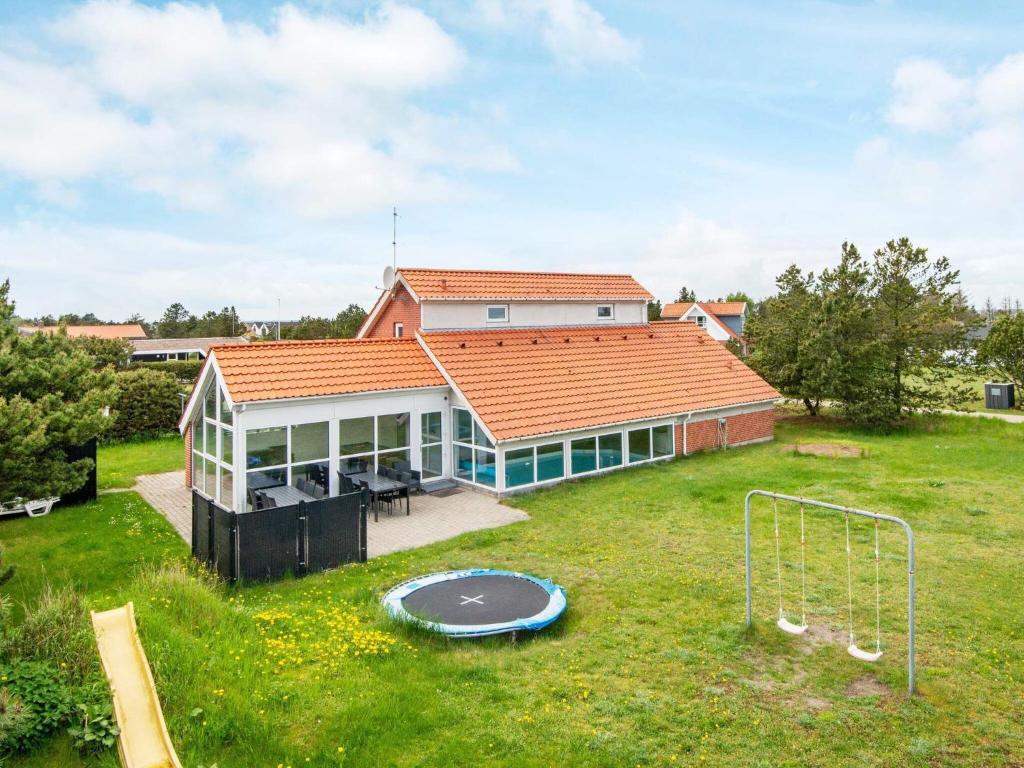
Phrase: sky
(241, 153)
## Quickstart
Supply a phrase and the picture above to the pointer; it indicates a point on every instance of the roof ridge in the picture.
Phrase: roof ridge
(283, 343)
(514, 272)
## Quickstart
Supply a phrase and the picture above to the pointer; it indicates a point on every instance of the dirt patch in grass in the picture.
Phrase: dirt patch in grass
(866, 686)
(831, 450)
(819, 634)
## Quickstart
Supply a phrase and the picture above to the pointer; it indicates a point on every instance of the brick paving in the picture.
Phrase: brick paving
(433, 518)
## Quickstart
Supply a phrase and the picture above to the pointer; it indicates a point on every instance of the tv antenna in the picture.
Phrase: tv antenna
(394, 237)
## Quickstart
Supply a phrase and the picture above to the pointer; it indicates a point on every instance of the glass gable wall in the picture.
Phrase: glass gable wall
(212, 448)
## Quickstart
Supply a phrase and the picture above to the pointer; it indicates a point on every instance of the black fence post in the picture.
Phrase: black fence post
(235, 568)
(363, 511)
(302, 539)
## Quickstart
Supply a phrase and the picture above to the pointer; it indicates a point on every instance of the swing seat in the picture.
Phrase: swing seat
(857, 653)
(789, 628)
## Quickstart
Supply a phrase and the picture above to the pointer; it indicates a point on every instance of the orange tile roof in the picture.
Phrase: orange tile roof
(462, 284)
(537, 381)
(724, 307)
(122, 331)
(678, 309)
(284, 369)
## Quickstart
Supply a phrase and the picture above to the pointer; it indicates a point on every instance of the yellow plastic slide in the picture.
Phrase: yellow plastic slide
(144, 741)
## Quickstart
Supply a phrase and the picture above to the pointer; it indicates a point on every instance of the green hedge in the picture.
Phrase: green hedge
(185, 371)
(148, 403)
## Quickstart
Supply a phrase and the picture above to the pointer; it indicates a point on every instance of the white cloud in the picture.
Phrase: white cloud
(927, 97)
(572, 30)
(314, 111)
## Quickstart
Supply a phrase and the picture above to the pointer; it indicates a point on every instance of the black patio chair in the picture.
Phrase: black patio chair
(402, 465)
(415, 481)
(254, 501)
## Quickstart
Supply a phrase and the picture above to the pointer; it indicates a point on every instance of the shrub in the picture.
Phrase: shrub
(94, 729)
(34, 691)
(148, 403)
(185, 371)
(56, 630)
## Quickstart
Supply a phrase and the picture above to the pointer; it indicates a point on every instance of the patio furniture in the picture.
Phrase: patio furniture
(34, 508)
(415, 481)
(286, 495)
(402, 465)
(380, 486)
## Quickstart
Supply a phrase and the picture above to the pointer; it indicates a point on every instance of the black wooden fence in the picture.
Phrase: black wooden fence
(269, 543)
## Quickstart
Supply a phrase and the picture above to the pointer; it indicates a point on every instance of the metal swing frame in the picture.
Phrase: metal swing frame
(847, 511)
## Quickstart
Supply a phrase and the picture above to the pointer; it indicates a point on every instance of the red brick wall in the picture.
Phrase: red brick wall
(188, 456)
(401, 308)
(741, 428)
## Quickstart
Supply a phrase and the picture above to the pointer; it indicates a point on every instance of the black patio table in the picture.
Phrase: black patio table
(378, 484)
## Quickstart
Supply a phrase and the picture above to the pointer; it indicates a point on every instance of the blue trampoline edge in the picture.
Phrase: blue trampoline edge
(556, 606)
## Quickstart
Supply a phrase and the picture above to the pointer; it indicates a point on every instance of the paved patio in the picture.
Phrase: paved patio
(433, 518)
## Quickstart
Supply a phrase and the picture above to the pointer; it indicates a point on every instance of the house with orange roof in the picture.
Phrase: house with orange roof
(500, 381)
(127, 331)
(724, 320)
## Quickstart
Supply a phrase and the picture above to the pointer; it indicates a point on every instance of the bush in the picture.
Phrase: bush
(37, 703)
(56, 630)
(185, 371)
(94, 729)
(148, 403)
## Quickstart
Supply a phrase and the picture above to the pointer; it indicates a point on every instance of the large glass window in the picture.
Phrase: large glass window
(610, 450)
(485, 468)
(431, 449)
(226, 487)
(639, 445)
(266, 447)
(463, 462)
(463, 426)
(227, 447)
(482, 462)
(584, 455)
(356, 436)
(211, 478)
(661, 438)
(550, 462)
(225, 410)
(310, 442)
(210, 444)
(380, 441)
(210, 403)
(519, 467)
(198, 472)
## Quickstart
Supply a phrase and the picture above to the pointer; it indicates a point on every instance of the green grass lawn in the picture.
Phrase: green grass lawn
(650, 665)
(120, 463)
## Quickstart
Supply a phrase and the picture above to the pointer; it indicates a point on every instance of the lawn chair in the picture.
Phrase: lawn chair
(35, 508)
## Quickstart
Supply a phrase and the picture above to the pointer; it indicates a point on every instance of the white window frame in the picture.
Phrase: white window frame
(399, 330)
(701, 321)
(456, 443)
(423, 445)
(376, 451)
(567, 440)
(505, 310)
(611, 311)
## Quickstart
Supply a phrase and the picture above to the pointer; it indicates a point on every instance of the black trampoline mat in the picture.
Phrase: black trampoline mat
(486, 599)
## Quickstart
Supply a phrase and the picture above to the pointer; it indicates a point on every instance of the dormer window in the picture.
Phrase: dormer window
(701, 321)
(497, 313)
(605, 312)
(399, 330)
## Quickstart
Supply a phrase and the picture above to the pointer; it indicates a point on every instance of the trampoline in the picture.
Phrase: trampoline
(477, 602)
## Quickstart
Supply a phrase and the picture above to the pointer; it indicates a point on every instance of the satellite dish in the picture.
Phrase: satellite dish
(389, 278)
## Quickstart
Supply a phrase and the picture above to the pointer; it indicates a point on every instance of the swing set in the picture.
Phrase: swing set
(791, 628)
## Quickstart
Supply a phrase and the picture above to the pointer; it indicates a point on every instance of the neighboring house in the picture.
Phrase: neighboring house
(724, 320)
(160, 350)
(122, 331)
(261, 330)
(554, 390)
(450, 299)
